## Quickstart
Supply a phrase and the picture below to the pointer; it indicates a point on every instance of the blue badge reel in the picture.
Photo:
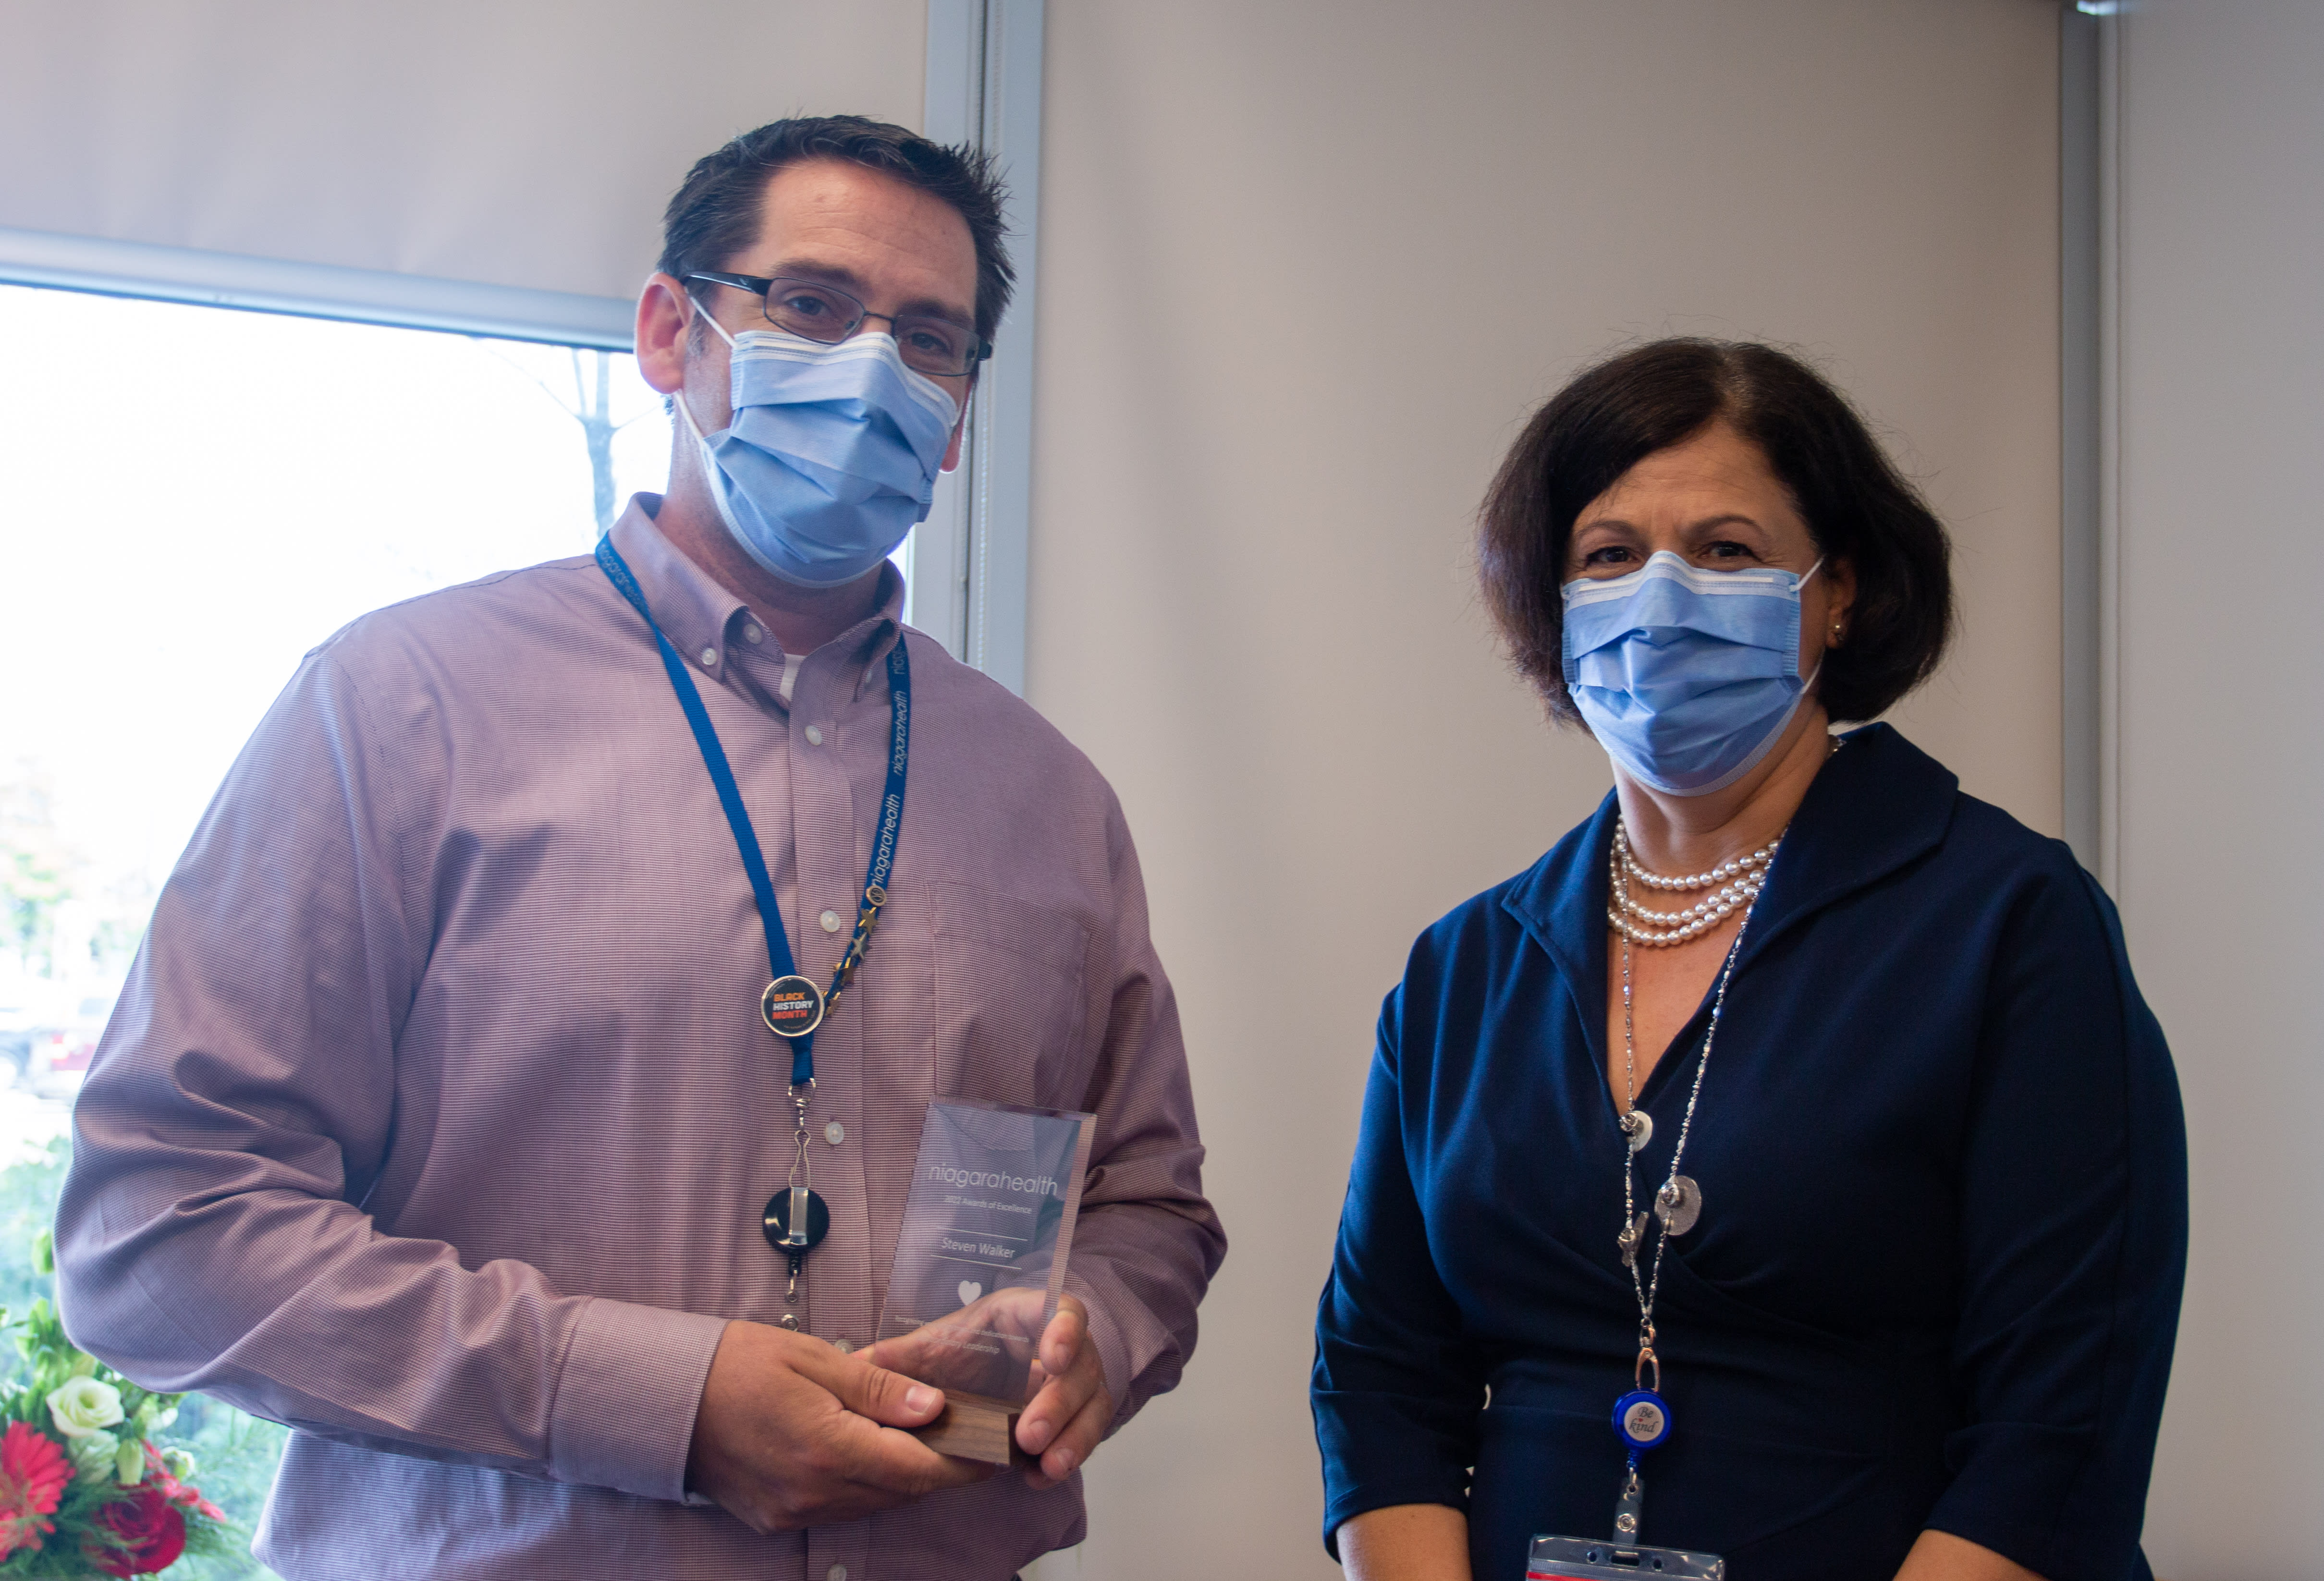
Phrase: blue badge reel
(1642, 1421)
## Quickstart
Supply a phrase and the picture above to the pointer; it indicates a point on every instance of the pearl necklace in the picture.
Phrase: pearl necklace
(1739, 882)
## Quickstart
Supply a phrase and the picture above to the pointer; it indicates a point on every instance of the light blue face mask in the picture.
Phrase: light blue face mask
(831, 455)
(1687, 678)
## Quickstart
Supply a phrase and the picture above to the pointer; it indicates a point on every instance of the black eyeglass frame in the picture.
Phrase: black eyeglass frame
(759, 285)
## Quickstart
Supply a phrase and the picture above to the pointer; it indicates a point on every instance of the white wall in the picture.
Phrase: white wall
(2220, 754)
(516, 143)
(1251, 592)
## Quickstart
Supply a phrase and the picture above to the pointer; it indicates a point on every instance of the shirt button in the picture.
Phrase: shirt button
(835, 1133)
(844, 1347)
(830, 920)
(814, 738)
(709, 658)
(836, 1573)
(753, 634)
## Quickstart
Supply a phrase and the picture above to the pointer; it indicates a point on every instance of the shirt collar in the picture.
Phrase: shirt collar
(699, 616)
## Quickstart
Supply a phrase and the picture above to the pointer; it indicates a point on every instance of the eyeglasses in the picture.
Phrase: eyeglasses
(813, 310)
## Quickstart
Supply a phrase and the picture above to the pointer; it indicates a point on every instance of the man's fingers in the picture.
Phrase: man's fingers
(1060, 1399)
(893, 1399)
(907, 1354)
(1072, 1446)
(874, 1456)
(1061, 1341)
(886, 1397)
(1075, 1378)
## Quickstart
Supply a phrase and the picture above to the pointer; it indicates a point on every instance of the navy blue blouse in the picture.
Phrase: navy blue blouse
(1937, 1276)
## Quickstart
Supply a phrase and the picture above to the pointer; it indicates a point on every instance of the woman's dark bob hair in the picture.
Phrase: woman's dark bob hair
(1857, 505)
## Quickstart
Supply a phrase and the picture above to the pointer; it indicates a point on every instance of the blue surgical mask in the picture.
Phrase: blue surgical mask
(1687, 678)
(831, 455)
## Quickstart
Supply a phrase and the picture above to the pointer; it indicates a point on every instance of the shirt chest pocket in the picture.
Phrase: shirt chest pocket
(1009, 1004)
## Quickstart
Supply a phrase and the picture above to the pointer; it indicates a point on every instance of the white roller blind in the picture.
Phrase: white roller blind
(450, 151)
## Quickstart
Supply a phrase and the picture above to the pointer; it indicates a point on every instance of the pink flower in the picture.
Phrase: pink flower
(33, 1472)
(183, 1494)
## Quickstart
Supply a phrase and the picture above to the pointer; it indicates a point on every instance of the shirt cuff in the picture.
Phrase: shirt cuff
(626, 1398)
(2011, 1483)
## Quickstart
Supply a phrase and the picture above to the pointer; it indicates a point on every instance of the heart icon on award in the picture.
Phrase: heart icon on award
(968, 1291)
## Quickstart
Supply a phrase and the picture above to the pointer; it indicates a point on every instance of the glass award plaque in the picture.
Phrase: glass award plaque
(981, 1262)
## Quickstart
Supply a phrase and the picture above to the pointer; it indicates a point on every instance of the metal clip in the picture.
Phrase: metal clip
(1646, 1358)
(802, 1169)
(1629, 1511)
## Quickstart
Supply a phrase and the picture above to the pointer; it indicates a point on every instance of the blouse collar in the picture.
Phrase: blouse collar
(1879, 805)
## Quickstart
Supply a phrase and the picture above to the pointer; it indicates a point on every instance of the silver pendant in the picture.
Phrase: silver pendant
(1639, 1126)
(1678, 1205)
(1630, 1240)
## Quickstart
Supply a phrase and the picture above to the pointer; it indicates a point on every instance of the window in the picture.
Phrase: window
(193, 498)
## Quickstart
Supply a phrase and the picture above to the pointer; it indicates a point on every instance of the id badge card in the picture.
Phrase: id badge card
(1594, 1558)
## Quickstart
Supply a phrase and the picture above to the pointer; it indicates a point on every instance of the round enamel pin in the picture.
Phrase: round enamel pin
(792, 1006)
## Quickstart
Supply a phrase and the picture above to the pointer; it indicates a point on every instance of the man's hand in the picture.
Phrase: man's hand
(790, 1433)
(1064, 1420)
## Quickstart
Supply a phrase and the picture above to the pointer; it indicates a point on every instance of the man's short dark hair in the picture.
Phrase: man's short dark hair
(1857, 505)
(717, 209)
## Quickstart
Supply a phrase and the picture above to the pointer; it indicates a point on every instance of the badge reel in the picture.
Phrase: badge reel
(1642, 1421)
(796, 1219)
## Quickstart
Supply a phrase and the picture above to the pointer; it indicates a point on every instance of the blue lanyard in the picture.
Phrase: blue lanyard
(792, 1006)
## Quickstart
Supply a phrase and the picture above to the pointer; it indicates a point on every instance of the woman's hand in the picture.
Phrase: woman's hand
(1940, 1556)
(1412, 1543)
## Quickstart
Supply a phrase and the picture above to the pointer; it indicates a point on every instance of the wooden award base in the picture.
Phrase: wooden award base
(975, 1426)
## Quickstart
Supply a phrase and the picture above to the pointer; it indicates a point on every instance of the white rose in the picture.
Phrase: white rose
(93, 1454)
(180, 1462)
(129, 1462)
(81, 1406)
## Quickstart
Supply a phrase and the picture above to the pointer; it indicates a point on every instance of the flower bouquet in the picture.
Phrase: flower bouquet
(84, 1489)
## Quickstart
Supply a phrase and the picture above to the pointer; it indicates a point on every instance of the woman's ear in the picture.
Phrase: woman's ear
(1840, 601)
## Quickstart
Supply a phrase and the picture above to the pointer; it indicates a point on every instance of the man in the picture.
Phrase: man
(440, 1116)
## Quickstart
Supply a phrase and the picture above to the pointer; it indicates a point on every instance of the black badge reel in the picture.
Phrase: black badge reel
(795, 1220)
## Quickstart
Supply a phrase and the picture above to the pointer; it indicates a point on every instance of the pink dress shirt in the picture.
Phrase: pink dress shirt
(437, 1117)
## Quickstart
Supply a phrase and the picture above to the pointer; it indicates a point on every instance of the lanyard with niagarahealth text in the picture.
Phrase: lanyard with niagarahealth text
(796, 1219)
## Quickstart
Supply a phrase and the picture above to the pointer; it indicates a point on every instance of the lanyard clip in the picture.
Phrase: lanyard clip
(1629, 1510)
(801, 1092)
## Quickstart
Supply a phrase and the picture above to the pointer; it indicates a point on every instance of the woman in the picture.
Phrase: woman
(1797, 1102)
